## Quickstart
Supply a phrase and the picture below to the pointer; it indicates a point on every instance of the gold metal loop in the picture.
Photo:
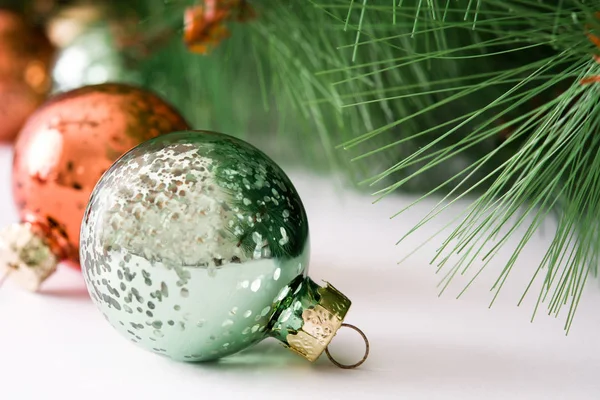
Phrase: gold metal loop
(361, 333)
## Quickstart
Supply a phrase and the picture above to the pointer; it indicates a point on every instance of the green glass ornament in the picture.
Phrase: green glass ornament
(91, 56)
(195, 245)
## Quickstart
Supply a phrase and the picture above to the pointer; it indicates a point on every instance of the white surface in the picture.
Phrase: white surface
(57, 346)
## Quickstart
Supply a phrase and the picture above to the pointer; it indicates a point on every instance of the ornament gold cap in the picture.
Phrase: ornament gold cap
(320, 324)
(25, 256)
(310, 318)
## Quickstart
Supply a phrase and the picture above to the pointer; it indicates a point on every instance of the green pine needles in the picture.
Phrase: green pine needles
(538, 57)
(476, 99)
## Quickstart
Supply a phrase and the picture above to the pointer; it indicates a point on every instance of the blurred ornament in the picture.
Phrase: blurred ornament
(71, 21)
(61, 153)
(42, 8)
(205, 25)
(90, 51)
(17, 102)
(595, 39)
(195, 245)
(25, 60)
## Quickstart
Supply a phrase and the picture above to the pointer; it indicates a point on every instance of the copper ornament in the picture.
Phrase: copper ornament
(206, 24)
(25, 61)
(595, 39)
(61, 153)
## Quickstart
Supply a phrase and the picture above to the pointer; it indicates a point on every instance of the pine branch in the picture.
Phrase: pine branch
(552, 164)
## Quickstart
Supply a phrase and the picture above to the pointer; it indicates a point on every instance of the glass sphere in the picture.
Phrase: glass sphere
(91, 58)
(189, 241)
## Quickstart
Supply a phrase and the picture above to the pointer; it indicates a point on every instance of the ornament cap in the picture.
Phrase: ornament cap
(26, 256)
(310, 317)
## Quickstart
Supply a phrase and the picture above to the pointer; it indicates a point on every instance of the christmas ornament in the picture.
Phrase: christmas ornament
(205, 25)
(25, 60)
(595, 39)
(195, 245)
(61, 153)
(89, 49)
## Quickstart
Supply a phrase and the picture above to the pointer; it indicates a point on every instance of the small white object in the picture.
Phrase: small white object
(25, 256)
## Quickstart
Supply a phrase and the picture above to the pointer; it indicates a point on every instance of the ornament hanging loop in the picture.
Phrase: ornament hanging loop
(365, 356)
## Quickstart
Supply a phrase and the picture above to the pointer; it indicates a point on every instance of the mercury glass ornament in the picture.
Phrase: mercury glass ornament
(195, 245)
(61, 153)
(89, 53)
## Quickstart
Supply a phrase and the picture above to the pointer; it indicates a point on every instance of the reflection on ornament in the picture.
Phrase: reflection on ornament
(25, 60)
(195, 245)
(61, 153)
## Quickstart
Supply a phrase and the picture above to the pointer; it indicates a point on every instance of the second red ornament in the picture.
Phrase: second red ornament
(61, 153)
(25, 60)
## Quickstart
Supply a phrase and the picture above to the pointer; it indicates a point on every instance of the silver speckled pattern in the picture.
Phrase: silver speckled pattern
(189, 241)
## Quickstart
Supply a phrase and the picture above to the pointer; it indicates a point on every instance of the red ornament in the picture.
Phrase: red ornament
(595, 39)
(61, 153)
(205, 25)
(25, 61)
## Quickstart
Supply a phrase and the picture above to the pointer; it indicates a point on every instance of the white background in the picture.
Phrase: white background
(55, 345)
